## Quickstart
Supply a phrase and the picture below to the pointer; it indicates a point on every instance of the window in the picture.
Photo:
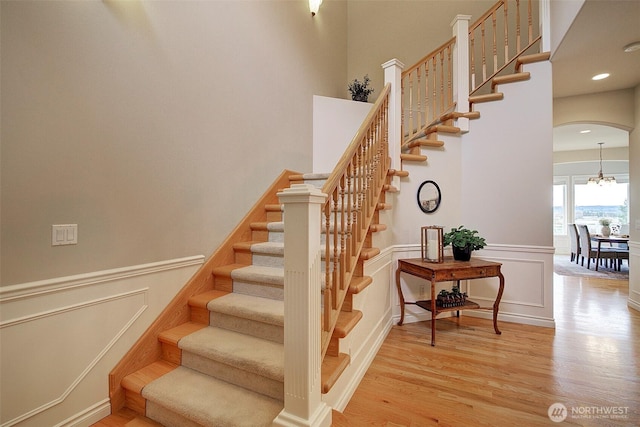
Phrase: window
(560, 206)
(593, 202)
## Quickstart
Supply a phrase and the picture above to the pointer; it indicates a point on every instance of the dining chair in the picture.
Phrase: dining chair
(575, 242)
(586, 250)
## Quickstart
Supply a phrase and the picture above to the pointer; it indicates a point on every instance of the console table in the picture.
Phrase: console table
(447, 271)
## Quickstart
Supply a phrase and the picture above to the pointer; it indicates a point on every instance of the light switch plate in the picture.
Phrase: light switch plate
(64, 234)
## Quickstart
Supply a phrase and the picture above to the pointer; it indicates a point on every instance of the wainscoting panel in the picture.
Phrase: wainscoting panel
(365, 339)
(60, 338)
(528, 292)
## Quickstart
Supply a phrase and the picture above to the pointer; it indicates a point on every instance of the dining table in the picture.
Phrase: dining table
(599, 239)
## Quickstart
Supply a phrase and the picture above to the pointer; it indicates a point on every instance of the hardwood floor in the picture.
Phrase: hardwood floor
(474, 377)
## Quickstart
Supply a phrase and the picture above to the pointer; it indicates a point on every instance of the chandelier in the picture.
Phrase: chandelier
(601, 179)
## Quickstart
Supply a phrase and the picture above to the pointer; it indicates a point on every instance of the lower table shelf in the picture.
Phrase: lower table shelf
(468, 305)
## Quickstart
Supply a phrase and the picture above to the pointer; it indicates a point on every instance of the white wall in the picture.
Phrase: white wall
(61, 338)
(497, 179)
(335, 123)
(154, 126)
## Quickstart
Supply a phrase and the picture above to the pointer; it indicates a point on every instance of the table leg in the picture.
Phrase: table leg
(496, 304)
(398, 271)
(433, 313)
(598, 254)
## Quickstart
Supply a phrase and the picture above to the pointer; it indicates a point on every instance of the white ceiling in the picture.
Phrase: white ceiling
(594, 44)
(571, 137)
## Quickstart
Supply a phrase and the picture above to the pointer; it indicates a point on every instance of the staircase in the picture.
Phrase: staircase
(215, 356)
(225, 366)
(445, 124)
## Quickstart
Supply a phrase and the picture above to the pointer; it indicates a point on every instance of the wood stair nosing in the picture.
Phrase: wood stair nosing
(432, 143)
(225, 270)
(530, 59)
(198, 305)
(358, 284)
(456, 115)
(346, 322)
(442, 129)
(368, 253)
(170, 338)
(413, 158)
(388, 188)
(398, 173)
(332, 368)
(509, 78)
(136, 381)
(495, 96)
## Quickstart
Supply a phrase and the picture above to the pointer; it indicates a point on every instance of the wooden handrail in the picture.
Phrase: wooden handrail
(494, 55)
(427, 89)
(353, 188)
(495, 42)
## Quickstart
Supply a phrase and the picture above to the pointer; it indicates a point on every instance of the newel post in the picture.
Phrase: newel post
(460, 27)
(303, 405)
(393, 74)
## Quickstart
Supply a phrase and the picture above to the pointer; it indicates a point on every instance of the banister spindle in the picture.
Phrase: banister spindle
(495, 42)
(518, 26)
(506, 31)
(484, 56)
(530, 21)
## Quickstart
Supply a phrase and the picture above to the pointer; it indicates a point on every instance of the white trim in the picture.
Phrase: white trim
(372, 344)
(89, 416)
(30, 289)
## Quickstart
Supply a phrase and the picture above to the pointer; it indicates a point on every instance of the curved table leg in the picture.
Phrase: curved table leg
(496, 304)
(398, 271)
(434, 313)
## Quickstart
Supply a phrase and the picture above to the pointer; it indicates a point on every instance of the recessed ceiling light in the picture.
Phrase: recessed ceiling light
(585, 131)
(600, 76)
(632, 47)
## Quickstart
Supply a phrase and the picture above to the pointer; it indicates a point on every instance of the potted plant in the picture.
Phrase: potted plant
(605, 230)
(360, 91)
(463, 241)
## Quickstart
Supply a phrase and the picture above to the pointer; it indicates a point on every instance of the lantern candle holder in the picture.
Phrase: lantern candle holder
(432, 244)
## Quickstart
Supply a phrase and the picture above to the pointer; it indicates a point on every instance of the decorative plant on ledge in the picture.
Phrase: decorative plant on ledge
(463, 241)
(360, 91)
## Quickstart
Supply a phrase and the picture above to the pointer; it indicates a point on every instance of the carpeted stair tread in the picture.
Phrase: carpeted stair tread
(272, 248)
(259, 274)
(264, 310)
(207, 401)
(244, 352)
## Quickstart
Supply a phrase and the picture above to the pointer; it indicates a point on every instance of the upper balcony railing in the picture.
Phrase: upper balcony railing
(436, 85)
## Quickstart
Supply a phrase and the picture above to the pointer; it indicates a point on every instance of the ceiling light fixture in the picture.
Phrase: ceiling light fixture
(601, 179)
(632, 47)
(314, 5)
(600, 76)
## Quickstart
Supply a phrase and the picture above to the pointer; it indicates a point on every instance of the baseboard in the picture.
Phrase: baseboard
(513, 318)
(361, 362)
(89, 416)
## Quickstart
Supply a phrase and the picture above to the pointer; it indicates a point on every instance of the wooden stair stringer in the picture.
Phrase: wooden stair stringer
(148, 349)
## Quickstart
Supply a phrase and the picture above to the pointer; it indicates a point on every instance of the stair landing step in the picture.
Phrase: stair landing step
(181, 392)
